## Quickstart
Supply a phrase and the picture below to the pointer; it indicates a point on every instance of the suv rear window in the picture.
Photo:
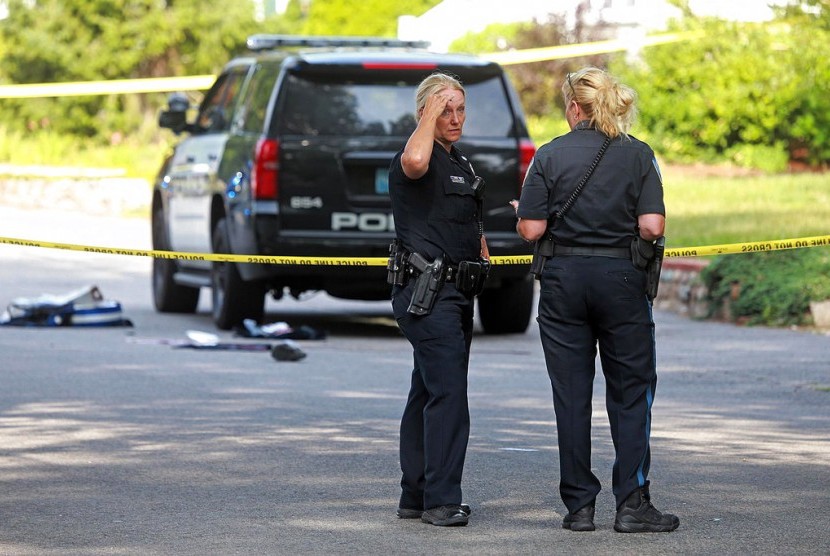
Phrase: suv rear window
(320, 105)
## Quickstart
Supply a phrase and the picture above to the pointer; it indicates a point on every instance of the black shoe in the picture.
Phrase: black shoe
(581, 520)
(408, 513)
(446, 516)
(287, 351)
(638, 515)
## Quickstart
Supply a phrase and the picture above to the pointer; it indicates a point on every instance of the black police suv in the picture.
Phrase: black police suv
(288, 155)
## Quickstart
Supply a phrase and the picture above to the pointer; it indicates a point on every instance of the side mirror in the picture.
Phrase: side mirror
(177, 102)
(175, 117)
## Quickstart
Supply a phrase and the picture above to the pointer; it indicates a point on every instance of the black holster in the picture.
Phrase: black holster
(427, 284)
(648, 256)
(542, 251)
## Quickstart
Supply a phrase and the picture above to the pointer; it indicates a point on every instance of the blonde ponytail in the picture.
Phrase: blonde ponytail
(610, 105)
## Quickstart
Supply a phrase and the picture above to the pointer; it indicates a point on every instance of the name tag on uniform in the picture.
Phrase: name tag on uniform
(457, 179)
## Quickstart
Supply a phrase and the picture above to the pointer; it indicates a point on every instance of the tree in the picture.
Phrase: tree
(47, 41)
(538, 83)
(377, 18)
(79, 40)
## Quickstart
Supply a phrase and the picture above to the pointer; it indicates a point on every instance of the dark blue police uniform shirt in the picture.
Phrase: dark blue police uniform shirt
(436, 213)
(625, 184)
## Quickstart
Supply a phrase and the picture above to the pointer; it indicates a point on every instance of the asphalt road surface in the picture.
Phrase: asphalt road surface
(114, 441)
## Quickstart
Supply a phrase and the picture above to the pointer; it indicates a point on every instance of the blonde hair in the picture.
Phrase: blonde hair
(610, 105)
(433, 84)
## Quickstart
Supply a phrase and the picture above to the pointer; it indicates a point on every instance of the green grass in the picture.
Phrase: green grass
(708, 210)
(135, 157)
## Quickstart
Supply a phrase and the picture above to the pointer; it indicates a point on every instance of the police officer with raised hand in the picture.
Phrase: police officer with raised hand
(601, 239)
(438, 263)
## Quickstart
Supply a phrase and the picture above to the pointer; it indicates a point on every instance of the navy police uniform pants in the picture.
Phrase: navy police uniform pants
(587, 301)
(435, 426)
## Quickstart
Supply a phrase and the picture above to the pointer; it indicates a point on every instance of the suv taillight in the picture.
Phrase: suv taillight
(526, 151)
(265, 174)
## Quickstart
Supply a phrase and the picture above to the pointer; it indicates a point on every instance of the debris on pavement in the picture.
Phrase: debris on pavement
(206, 340)
(278, 330)
(287, 350)
(85, 306)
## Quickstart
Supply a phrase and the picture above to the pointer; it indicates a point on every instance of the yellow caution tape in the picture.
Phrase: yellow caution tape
(219, 257)
(753, 247)
(726, 249)
(116, 86)
(202, 82)
(584, 49)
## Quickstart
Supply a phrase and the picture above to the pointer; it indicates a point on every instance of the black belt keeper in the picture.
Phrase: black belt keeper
(396, 267)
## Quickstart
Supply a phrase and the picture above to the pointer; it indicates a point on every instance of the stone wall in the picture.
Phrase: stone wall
(681, 290)
(91, 192)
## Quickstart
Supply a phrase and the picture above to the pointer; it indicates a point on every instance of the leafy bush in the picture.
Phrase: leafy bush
(769, 288)
(746, 93)
(768, 158)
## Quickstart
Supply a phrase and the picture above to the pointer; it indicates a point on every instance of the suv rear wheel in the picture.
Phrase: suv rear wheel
(507, 310)
(234, 299)
(169, 297)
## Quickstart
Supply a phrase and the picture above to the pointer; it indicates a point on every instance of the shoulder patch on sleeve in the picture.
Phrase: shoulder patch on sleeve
(529, 168)
(657, 169)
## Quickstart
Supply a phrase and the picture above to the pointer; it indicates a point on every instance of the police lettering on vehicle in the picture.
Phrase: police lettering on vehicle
(364, 222)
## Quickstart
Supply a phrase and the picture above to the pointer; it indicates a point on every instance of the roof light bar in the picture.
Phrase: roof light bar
(268, 42)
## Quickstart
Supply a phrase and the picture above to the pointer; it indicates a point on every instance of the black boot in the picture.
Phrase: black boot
(638, 515)
(580, 520)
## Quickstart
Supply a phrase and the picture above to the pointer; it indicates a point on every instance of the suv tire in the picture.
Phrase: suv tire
(234, 299)
(169, 297)
(507, 310)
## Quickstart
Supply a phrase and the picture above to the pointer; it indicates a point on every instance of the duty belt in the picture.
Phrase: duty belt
(450, 271)
(613, 252)
(467, 276)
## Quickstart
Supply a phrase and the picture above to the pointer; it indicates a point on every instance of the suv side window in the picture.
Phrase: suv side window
(252, 113)
(217, 107)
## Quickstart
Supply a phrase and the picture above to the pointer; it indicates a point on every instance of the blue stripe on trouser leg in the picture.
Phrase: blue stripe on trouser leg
(641, 474)
(641, 479)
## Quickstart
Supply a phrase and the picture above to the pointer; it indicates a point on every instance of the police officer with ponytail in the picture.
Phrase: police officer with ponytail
(438, 263)
(594, 198)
